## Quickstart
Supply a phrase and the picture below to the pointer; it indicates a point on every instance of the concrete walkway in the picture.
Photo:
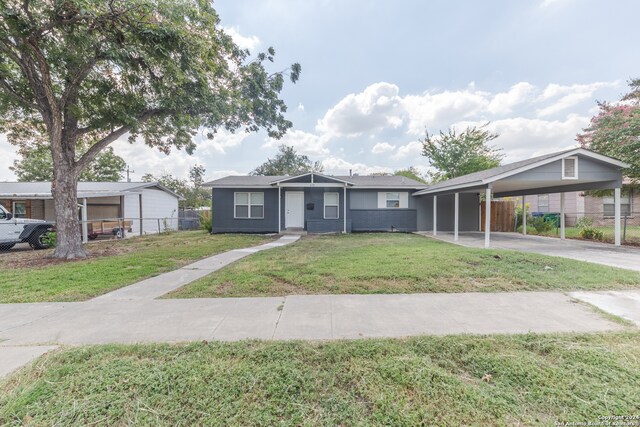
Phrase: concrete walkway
(599, 253)
(625, 304)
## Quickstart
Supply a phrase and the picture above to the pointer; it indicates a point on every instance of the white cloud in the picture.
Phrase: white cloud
(412, 149)
(505, 101)
(300, 106)
(220, 142)
(304, 142)
(245, 42)
(338, 166)
(7, 156)
(382, 147)
(376, 108)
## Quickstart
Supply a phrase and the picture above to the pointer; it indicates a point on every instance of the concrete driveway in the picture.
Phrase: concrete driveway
(599, 253)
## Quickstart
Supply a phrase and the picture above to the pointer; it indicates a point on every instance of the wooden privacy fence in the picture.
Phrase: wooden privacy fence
(503, 215)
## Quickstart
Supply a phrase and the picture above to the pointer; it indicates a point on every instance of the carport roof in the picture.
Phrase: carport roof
(486, 177)
(42, 190)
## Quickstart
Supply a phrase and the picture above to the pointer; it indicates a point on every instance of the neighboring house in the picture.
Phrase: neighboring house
(314, 202)
(147, 206)
(327, 204)
(579, 204)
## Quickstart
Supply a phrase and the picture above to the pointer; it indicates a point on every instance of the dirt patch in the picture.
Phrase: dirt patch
(43, 258)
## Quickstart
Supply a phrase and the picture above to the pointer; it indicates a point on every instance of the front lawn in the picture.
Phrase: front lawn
(32, 277)
(399, 263)
(528, 380)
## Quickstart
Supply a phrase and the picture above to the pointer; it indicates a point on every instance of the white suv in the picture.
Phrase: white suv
(22, 230)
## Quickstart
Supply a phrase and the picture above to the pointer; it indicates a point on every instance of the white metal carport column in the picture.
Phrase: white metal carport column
(616, 202)
(435, 215)
(85, 225)
(524, 216)
(344, 229)
(456, 213)
(487, 219)
(279, 209)
(562, 224)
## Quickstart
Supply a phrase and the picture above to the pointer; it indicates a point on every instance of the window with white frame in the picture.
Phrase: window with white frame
(393, 200)
(609, 207)
(570, 168)
(331, 205)
(543, 203)
(249, 205)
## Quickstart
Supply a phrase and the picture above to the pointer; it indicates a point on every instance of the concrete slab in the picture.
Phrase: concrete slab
(600, 253)
(249, 318)
(625, 304)
(306, 317)
(12, 358)
(14, 315)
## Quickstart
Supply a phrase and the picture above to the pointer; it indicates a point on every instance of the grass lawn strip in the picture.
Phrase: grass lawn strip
(32, 277)
(399, 263)
(528, 380)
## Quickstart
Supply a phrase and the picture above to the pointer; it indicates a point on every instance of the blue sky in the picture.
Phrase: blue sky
(376, 74)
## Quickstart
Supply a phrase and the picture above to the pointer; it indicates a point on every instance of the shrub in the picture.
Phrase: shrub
(50, 239)
(584, 222)
(591, 233)
(206, 222)
(541, 225)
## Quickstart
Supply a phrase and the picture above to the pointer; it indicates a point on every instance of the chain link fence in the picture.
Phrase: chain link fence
(19, 233)
(596, 226)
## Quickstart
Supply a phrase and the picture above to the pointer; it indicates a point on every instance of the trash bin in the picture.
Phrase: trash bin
(553, 217)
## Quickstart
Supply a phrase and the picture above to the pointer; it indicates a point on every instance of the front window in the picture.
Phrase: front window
(19, 210)
(543, 203)
(249, 205)
(609, 207)
(393, 200)
(331, 206)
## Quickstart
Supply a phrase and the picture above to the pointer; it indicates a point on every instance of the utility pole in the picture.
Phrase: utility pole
(128, 172)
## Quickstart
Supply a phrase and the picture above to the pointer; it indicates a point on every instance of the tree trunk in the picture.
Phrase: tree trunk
(65, 199)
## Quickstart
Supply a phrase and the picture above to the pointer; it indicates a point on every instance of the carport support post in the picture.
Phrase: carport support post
(616, 202)
(562, 224)
(279, 209)
(487, 219)
(435, 215)
(344, 208)
(85, 225)
(456, 213)
(524, 216)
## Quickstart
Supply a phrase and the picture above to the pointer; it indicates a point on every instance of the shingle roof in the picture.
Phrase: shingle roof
(359, 181)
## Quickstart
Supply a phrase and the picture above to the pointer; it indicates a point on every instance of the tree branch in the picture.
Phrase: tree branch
(11, 91)
(96, 148)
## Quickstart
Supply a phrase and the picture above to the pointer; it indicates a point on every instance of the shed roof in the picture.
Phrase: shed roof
(42, 190)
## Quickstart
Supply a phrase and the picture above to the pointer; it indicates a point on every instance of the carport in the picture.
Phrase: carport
(572, 170)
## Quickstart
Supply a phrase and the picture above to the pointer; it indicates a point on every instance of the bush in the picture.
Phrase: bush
(206, 222)
(584, 222)
(50, 239)
(591, 233)
(541, 225)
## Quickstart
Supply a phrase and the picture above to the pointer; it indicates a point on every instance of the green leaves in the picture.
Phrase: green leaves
(288, 162)
(453, 154)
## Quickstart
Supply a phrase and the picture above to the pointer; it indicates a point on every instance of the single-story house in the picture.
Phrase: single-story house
(148, 207)
(319, 203)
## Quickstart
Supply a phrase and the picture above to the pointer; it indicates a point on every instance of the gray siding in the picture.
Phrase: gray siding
(588, 170)
(222, 212)
(469, 212)
(368, 199)
(383, 219)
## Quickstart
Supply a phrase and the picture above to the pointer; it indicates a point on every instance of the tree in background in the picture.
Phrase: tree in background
(455, 154)
(615, 131)
(411, 173)
(36, 164)
(288, 162)
(87, 72)
(195, 196)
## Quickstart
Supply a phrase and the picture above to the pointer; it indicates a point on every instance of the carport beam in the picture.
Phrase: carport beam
(562, 223)
(456, 205)
(616, 202)
(487, 219)
(435, 215)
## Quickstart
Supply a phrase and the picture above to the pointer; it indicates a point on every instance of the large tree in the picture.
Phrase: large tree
(455, 154)
(36, 164)
(288, 162)
(194, 194)
(412, 173)
(615, 131)
(91, 71)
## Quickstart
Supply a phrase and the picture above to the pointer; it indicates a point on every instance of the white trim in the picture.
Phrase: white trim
(307, 185)
(575, 159)
(248, 205)
(453, 187)
(312, 175)
(324, 208)
(387, 199)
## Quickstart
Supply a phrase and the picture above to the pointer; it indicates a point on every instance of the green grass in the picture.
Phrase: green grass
(535, 380)
(119, 263)
(399, 263)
